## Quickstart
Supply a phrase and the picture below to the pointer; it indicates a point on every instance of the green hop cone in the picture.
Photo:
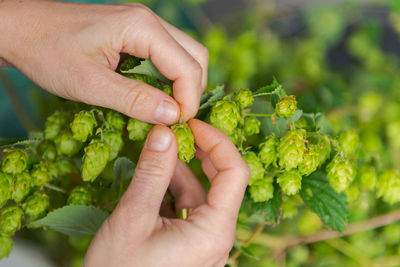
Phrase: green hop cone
(53, 170)
(291, 149)
(237, 137)
(6, 245)
(251, 126)
(115, 120)
(244, 98)
(286, 106)
(15, 161)
(324, 148)
(267, 150)
(67, 145)
(167, 89)
(368, 105)
(290, 182)
(352, 193)
(82, 125)
(389, 186)
(55, 124)
(6, 181)
(392, 133)
(95, 160)
(36, 206)
(80, 196)
(40, 174)
(340, 173)
(22, 186)
(225, 115)
(185, 140)
(310, 161)
(47, 149)
(138, 130)
(66, 166)
(348, 142)
(262, 190)
(256, 168)
(115, 142)
(10, 219)
(368, 177)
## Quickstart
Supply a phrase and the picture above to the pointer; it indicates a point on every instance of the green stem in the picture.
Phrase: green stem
(258, 115)
(55, 188)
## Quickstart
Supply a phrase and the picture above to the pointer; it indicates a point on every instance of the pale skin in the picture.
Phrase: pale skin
(72, 50)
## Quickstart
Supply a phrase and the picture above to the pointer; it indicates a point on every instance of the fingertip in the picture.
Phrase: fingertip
(167, 111)
(160, 139)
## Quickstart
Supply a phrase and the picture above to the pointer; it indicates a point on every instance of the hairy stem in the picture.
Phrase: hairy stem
(55, 188)
(258, 115)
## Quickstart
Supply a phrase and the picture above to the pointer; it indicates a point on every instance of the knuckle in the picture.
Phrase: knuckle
(133, 98)
(150, 168)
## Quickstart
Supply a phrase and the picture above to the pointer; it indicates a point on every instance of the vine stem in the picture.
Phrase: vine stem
(258, 115)
(55, 188)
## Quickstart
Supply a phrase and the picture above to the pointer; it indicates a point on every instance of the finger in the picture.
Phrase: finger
(186, 188)
(206, 164)
(228, 186)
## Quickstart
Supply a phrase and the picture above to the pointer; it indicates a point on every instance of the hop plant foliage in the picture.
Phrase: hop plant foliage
(256, 167)
(55, 124)
(5, 185)
(268, 150)
(348, 142)
(138, 130)
(15, 161)
(290, 182)
(36, 206)
(82, 125)
(340, 173)
(251, 126)
(225, 115)
(389, 186)
(115, 120)
(80, 196)
(262, 190)
(244, 98)
(22, 186)
(10, 219)
(6, 245)
(286, 106)
(67, 145)
(291, 149)
(185, 140)
(94, 160)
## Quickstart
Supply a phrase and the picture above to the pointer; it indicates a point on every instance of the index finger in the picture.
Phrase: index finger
(228, 186)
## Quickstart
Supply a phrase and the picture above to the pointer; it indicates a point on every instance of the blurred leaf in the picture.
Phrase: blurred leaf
(124, 169)
(296, 116)
(145, 67)
(273, 88)
(211, 97)
(271, 209)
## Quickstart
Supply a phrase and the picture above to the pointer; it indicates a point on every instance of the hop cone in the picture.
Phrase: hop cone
(324, 148)
(15, 161)
(291, 149)
(225, 115)
(237, 137)
(251, 126)
(80, 196)
(389, 186)
(10, 219)
(6, 244)
(289, 208)
(65, 166)
(138, 130)
(22, 186)
(310, 161)
(53, 170)
(340, 173)
(5, 187)
(290, 182)
(352, 193)
(262, 190)
(67, 145)
(286, 106)
(82, 125)
(115, 120)
(244, 98)
(40, 174)
(392, 132)
(47, 149)
(309, 223)
(185, 140)
(255, 165)
(368, 177)
(36, 205)
(268, 153)
(348, 142)
(55, 123)
(115, 142)
(94, 160)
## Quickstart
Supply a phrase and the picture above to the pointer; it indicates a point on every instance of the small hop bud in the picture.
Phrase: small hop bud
(310, 161)
(244, 98)
(10, 220)
(115, 120)
(138, 130)
(82, 125)
(15, 161)
(268, 153)
(286, 106)
(185, 140)
(324, 148)
(6, 245)
(237, 137)
(55, 123)
(368, 177)
(36, 206)
(22, 186)
(5, 186)
(40, 174)
(262, 190)
(348, 142)
(80, 196)
(67, 145)
(290, 182)
(340, 173)
(47, 149)
(251, 126)
(95, 160)
(66, 166)
(115, 142)
(291, 149)
(389, 186)
(256, 168)
(225, 115)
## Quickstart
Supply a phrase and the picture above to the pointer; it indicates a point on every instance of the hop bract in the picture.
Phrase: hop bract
(251, 126)
(115, 142)
(262, 190)
(80, 196)
(290, 182)
(36, 206)
(291, 149)
(348, 142)
(65, 166)
(82, 125)
(237, 137)
(225, 115)
(40, 174)
(324, 148)
(340, 173)
(55, 124)
(5, 186)
(115, 120)
(389, 186)
(255, 165)
(368, 177)
(286, 106)
(268, 153)
(67, 145)
(310, 161)
(15, 161)
(6, 244)
(10, 219)
(185, 140)
(138, 130)
(48, 150)
(22, 186)
(95, 160)
(244, 98)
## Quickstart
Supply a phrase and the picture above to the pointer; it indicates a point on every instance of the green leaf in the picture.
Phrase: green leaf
(296, 116)
(20, 142)
(145, 67)
(271, 209)
(211, 97)
(330, 206)
(271, 89)
(245, 250)
(124, 169)
(73, 220)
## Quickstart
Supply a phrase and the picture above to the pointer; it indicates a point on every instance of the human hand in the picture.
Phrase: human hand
(73, 49)
(135, 234)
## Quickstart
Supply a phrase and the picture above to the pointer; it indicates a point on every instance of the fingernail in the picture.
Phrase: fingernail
(159, 139)
(166, 112)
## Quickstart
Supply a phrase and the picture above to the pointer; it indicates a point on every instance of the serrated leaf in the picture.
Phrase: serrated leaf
(124, 169)
(22, 142)
(73, 220)
(271, 209)
(296, 116)
(146, 67)
(211, 97)
(271, 89)
(320, 198)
